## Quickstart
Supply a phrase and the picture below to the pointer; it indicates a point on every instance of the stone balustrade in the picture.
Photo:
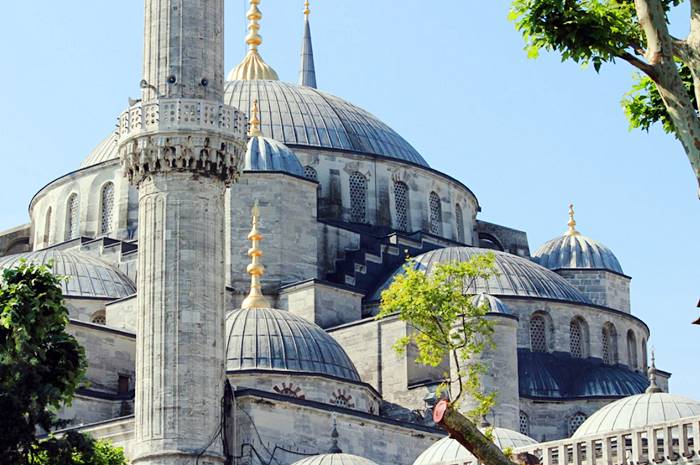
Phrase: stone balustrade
(677, 443)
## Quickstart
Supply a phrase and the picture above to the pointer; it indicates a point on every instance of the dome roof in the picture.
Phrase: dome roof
(574, 250)
(334, 459)
(87, 276)
(638, 411)
(448, 451)
(494, 304)
(265, 154)
(106, 151)
(517, 276)
(277, 340)
(298, 115)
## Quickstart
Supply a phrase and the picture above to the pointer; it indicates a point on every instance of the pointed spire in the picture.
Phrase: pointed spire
(256, 270)
(572, 222)
(253, 67)
(335, 449)
(307, 70)
(254, 123)
(653, 387)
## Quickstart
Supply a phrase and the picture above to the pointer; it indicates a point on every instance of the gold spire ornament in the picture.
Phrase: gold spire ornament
(256, 270)
(572, 222)
(307, 11)
(254, 130)
(253, 67)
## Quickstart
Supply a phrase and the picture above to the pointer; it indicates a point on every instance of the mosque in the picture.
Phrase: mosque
(227, 247)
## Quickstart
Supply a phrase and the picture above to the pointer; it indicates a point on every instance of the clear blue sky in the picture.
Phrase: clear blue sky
(526, 136)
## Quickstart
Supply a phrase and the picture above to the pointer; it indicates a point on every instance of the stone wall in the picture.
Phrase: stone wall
(551, 420)
(325, 304)
(601, 286)
(503, 238)
(15, 240)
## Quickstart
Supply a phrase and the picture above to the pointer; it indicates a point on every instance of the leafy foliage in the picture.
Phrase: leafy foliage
(444, 320)
(76, 449)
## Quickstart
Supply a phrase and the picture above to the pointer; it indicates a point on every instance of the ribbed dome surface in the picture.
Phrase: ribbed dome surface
(265, 154)
(334, 459)
(637, 411)
(517, 276)
(494, 304)
(107, 150)
(576, 251)
(87, 276)
(448, 451)
(297, 115)
(276, 340)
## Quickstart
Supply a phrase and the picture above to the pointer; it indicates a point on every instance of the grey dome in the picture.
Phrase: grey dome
(448, 451)
(517, 276)
(106, 151)
(298, 115)
(265, 154)
(334, 459)
(638, 411)
(494, 304)
(576, 251)
(276, 340)
(87, 276)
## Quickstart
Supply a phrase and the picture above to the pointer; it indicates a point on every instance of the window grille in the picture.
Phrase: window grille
(576, 339)
(575, 422)
(310, 173)
(609, 345)
(538, 339)
(459, 218)
(73, 218)
(644, 354)
(107, 208)
(435, 214)
(99, 318)
(358, 198)
(47, 228)
(632, 349)
(524, 424)
(402, 205)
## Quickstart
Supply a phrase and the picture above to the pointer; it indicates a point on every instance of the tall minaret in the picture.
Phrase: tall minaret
(181, 147)
(307, 69)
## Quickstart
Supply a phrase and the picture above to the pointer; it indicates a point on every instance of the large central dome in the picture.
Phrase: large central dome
(304, 116)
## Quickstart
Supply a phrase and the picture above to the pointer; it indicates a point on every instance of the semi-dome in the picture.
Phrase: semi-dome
(494, 304)
(277, 340)
(517, 276)
(448, 451)
(335, 459)
(574, 250)
(265, 154)
(87, 276)
(105, 151)
(304, 116)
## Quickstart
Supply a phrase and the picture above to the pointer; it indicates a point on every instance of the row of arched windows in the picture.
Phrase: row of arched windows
(72, 219)
(579, 340)
(572, 423)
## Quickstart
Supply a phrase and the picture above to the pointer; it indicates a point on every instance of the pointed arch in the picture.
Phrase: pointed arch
(106, 208)
(609, 343)
(72, 217)
(401, 205)
(459, 218)
(435, 214)
(358, 198)
(46, 238)
(632, 359)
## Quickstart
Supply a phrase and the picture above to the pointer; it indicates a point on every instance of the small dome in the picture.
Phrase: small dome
(335, 459)
(494, 304)
(265, 154)
(517, 276)
(574, 250)
(448, 451)
(106, 151)
(277, 340)
(87, 276)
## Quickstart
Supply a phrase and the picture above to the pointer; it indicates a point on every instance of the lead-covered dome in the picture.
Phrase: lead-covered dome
(574, 250)
(299, 115)
(494, 304)
(276, 340)
(335, 459)
(517, 276)
(265, 154)
(448, 451)
(87, 276)
(105, 151)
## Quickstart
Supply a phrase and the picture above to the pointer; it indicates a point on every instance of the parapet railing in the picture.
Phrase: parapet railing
(674, 442)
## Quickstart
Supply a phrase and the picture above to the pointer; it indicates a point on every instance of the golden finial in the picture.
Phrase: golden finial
(253, 66)
(572, 222)
(307, 11)
(256, 270)
(653, 387)
(254, 130)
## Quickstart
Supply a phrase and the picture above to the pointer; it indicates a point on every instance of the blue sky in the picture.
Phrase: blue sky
(527, 136)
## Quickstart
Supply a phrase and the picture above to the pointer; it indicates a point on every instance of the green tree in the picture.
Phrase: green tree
(41, 366)
(445, 325)
(596, 32)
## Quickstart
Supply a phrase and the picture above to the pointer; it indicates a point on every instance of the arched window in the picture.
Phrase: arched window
(358, 198)
(99, 318)
(575, 421)
(609, 344)
(631, 349)
(524, 423)
(459, 218)
(310, 173)
(578, 338)
(106, 213)
(47, 228)
(644, 354)
(401, 205)
(435, 214)
(72, 217)
(538, 336)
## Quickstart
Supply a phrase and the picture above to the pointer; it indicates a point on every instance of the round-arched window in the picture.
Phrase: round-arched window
(106, 213)
(72, 217)
(435, 214)
(358, 198)
(401, 205)
(538, 334)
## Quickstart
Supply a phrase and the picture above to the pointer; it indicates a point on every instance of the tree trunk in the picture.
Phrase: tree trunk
(660, 54)
(466, 433)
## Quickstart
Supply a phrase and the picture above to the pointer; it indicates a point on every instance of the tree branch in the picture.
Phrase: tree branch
(639, 64)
